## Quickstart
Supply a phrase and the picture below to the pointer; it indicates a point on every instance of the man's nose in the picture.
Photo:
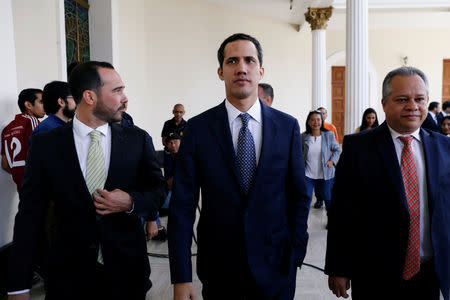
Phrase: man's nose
(241, 68)
(412, 104)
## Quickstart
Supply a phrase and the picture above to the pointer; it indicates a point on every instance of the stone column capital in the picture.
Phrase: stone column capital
(318, 17)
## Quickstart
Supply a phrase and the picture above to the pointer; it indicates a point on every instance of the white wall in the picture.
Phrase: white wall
(168, 55)
(37, 34)
(8, 104)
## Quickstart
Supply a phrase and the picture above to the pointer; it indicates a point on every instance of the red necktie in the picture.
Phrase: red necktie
(411, 182)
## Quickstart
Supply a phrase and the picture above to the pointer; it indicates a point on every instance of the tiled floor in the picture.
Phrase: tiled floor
(311, 283)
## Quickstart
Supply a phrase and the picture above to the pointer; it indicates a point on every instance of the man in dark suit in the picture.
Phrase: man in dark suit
(246, 159)
(431, 121)
(100, 187)
(388, 224)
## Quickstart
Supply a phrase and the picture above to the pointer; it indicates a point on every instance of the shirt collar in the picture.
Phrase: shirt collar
(395, 134)
(56, 119)
(83, 130)
(432, 114)
(233, 112)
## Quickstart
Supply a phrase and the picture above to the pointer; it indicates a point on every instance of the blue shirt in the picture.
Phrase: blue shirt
(49, 123)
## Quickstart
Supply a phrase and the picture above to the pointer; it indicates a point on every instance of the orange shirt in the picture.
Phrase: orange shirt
(331, 128)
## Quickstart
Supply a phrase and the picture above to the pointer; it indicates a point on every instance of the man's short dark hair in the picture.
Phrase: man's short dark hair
(402, 71)
(85, 77)
(237, 37)
(52, 92)
(445, 105)
(267, 89)
(27, 95)
(433, 105)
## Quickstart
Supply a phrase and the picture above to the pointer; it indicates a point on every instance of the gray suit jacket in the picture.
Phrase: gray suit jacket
(330, 151)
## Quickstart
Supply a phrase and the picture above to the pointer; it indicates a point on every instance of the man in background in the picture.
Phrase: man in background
(265, 93)
(59, 106)
(16, 134)
(175, 125)
(431, 121)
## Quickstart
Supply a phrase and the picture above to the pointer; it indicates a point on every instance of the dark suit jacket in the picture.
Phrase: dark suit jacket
(440, 118)
(53, 174)
(369, 219)
(430, 124)
(269, 224)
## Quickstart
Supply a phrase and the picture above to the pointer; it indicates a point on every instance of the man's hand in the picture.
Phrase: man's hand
(112, 202)
(152, 230)
(184, 291)
(329, 164)
(339, 285)
(24, 296)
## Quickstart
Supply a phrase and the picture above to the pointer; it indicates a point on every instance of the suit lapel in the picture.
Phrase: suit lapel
(269, 137)
(387, 150)
(117, 153)
(431, 166)
(221, 131)
(71, 157)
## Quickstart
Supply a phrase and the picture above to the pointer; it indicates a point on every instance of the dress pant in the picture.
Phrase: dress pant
(98, 288)
(423, 286)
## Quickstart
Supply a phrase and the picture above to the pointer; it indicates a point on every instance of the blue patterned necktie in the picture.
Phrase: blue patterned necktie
(245, 152)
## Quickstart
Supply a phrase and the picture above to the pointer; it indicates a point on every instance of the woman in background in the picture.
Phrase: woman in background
(321, 153)
(369, 120)
(445, 126)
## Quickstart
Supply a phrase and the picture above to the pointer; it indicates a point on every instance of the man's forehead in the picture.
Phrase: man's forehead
(240, 48)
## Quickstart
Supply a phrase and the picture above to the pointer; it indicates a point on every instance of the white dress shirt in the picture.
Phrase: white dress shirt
(426, 250)
(313, 164)
(82, 141)
(255, 124)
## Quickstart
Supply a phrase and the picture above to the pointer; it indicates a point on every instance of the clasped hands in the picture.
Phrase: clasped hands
(111, 202)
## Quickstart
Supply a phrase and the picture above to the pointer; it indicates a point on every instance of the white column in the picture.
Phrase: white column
(318, 18)
(357, 57)
(319, 65)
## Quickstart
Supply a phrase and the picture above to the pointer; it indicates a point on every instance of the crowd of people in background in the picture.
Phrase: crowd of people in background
(134, 186)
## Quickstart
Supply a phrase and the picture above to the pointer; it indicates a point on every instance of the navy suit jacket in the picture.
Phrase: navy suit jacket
(430, 124)
(369, 208)
(271, 221)
(53, 174)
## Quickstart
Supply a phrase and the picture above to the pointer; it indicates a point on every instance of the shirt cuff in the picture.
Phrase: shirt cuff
(131, 210)
(19, 292)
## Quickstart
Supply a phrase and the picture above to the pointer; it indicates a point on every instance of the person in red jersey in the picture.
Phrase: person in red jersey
(16, 134)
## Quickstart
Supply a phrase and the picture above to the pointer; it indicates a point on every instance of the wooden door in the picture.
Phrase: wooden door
(338, 99)
(446, 81)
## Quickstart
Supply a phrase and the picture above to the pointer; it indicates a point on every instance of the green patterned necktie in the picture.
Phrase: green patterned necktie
(95, 170)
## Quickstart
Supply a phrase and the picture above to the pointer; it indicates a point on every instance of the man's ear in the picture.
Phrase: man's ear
(90, 97)
(61, 103)
(28, 105)
(220, 73)
(261, 73)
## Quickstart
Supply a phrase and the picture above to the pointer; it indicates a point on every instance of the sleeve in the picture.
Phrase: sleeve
(152, 187)
(164, 132)
(297, 198)
(28, 221)
(335, 149)
(339, 248)
(184, 200)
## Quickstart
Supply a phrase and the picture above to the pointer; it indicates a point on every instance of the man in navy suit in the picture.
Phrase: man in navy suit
(246, 159)
(388, 231)
(100, 187)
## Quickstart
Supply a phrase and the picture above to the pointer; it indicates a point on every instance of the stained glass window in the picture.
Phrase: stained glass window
(77, 30)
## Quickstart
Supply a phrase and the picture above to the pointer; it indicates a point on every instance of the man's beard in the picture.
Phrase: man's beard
(105, 114)
(68, 113)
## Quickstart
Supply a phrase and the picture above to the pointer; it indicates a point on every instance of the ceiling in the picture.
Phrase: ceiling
(281, 9)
